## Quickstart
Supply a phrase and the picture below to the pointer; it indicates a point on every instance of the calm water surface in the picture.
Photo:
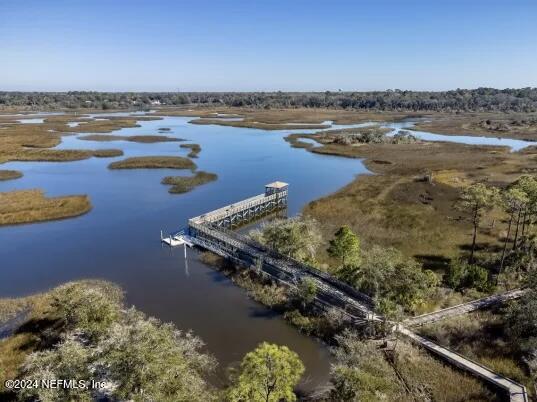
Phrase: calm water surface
(119, 239)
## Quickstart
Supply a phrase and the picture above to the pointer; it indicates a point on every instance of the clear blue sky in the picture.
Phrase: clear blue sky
(284, 45)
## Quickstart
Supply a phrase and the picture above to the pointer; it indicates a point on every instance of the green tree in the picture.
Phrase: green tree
(149, 360)
(455, 275)
(513, 201)
(477, 277)
(528, 207)
(139, 357)
(410, 284)
(267, 374)
(360, 371)
(297, 238)
(307, 291)
(88, 307)
(70, 359)
(346, 246)
(462, 275)
(475, 200)
(377, 265)
(521, 322)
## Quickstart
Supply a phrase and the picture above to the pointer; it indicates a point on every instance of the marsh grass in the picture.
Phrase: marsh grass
(28, 206)
(61, 155)
(107, 153)
(512, 125)
(257, 124)
(309, 116)
(195, 149)
(430, 379)
(398, 207)
(146, 139)
(10, 174)
(154, 162)
(184, 184)
(481, 336)
(30, 142)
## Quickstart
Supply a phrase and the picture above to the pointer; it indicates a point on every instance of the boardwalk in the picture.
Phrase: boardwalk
(464, 308)
(212, 232)
(517, 392)
(331, 293)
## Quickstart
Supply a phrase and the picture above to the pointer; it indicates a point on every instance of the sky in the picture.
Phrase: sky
(267, 45)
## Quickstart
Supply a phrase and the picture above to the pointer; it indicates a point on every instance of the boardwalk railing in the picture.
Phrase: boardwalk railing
(299, 266)
(330, 292)
(464, 308)
(244, 209)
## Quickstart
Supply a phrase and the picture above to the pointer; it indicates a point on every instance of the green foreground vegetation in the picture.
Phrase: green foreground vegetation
(82, 330)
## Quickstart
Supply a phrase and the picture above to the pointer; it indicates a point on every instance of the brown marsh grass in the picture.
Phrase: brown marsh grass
(10, 174)
(25, 206)
(154, 162)
(195, 149)
(481, 336)
(184, 184)
(146, 139)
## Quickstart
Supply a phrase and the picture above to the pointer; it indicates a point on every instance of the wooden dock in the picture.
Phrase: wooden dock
(212, 231)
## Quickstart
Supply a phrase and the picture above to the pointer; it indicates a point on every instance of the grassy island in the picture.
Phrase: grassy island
(107, 153)
(184, 184)
(10, 174)
(146, 139)
(154, 162)
(28, 206)
(195, 149)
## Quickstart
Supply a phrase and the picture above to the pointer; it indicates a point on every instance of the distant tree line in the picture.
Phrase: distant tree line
(458, 100)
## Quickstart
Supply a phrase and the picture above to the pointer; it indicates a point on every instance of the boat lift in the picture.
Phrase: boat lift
(177, 239)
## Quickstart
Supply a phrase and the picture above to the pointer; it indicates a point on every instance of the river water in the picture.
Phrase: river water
(119, 239)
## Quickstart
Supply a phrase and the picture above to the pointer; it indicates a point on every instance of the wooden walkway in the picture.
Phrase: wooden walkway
(331, 293)
(517, 392)
(464, 308)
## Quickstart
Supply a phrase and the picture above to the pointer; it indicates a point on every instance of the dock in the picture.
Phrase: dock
(213, 231)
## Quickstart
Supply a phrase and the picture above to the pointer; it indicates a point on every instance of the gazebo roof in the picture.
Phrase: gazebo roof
(277, 184)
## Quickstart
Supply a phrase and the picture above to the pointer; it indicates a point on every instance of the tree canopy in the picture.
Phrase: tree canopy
(480, 99)
(346, 247)
(475, 200)
(298, 237)
(267, 374)
(137, 357)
